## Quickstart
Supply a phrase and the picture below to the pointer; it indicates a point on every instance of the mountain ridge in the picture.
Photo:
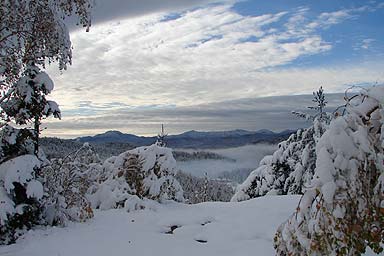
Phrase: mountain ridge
(194, 139)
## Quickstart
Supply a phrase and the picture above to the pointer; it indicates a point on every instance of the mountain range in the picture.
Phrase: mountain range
(194, 139)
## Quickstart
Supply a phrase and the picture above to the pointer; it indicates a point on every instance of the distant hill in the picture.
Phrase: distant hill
(59, 148)
(194, 139)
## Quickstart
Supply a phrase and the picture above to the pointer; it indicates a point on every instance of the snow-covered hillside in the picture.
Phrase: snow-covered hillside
(245, 228)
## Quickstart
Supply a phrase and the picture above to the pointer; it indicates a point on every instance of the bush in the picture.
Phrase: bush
(67, 181)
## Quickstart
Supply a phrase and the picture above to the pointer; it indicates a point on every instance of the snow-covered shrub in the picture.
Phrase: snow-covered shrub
(66, 182)
(142, 173)
(20, 190)
(20, 196)
(342, 211)
(288, 170)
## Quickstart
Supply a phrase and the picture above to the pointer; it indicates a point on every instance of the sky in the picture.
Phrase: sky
(213, 65)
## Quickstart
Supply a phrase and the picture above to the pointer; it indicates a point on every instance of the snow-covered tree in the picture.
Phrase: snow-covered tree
(66, 182)
(197, 190)
(287, 171)
(203, 193)
(27, 104)
(20, 192)
(32, 33)
(135, 176)
(291, 167)
(161, 138)
(14, 142)
(342, 211)
(20, 196)
(319, 108)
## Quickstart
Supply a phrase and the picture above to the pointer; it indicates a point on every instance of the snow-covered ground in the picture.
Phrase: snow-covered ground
(245, 228)
(247, 157)
(242, 229)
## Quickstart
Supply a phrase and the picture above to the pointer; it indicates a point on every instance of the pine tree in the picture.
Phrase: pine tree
(319, 99)
(319, 108)
(290, 169)
(161, 138)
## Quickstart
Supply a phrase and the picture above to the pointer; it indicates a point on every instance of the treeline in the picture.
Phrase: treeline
(199, 155)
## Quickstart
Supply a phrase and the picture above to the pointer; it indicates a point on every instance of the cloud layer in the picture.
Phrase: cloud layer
(272, 113)
(170, 60)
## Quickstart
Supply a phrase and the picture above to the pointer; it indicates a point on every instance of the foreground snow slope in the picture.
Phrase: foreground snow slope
(241, 229)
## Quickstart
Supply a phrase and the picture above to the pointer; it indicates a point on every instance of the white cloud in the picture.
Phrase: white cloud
(206, 55)
(197, 57)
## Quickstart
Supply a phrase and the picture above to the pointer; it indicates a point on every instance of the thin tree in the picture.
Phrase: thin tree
(161, 137)
(319, 108)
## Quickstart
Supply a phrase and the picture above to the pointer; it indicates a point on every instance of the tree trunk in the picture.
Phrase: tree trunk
(36, 129)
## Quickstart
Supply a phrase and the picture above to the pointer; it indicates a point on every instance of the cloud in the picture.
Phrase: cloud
(132, 68)
(104, 11)
(201, 56)
(251, 113)
(302, 23)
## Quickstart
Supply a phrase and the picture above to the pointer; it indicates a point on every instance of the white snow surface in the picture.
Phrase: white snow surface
(233, 228)
(245, 228)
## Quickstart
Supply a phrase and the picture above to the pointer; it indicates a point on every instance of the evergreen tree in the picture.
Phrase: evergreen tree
(291, 167)
(319, 108)
(161, 138)
(319, 100)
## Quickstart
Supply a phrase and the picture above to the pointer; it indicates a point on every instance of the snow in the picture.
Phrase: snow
(158, 170)
(242, 229)
(229, 229)
(7, 206)
(328, 190)
(45, 81)
(20, 170)
(35, 189)
(17, 170)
